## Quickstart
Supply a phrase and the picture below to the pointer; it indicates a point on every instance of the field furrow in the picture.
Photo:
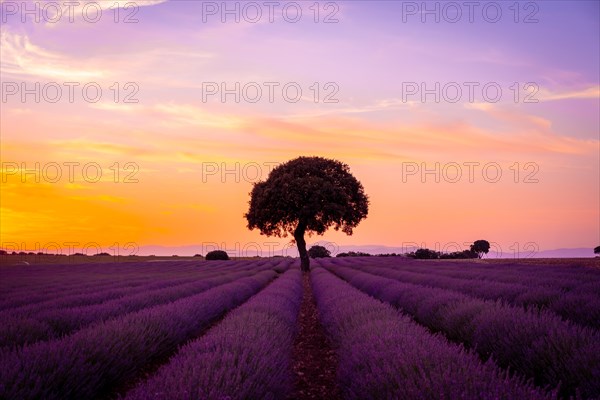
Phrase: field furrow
(565, 277)
(55, 323)
(91, 362)
(582, 307)
(385, 355)
(536, 344)
(90, 278)
(98, 295)
(245, 356)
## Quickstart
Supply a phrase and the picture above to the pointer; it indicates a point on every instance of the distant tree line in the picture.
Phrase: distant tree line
(41, 253)
(27, 253)
(353, 254)
(476, 250)
(428, 254)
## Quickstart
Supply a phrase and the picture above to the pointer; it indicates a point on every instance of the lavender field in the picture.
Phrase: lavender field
(399, 329)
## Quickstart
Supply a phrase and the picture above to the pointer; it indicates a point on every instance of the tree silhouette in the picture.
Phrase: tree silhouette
(216, 255)
(354, 254)
(307, 195)
(597, 250)
(426, 254)
(317, 251)
(480, 247)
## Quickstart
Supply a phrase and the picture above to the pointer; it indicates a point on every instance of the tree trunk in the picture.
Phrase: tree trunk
(301, 243)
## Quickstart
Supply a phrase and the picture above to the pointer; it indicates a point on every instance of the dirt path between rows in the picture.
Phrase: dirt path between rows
(314, 360)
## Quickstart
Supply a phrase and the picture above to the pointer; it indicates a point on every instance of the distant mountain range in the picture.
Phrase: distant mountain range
(371, 249)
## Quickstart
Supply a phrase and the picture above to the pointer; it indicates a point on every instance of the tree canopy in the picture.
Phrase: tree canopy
(480, 247)
(318, 251)
(307, 195)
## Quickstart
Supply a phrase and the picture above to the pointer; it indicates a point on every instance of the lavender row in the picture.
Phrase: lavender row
(566, 277)
(119, 289)
(73, 276)
(246, 356)
(81, 277)
(89, 297)
(73, 271)
(95, 360)
(582, 308)
(116, 280)
(536, 344)
(38, 295)
(53, 323)
(28, 277)
(384, 355)
(575, 297)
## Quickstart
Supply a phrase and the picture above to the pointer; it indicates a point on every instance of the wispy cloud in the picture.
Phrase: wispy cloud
(377, 106)
(21, 58)
(76, 9)
(592, 92)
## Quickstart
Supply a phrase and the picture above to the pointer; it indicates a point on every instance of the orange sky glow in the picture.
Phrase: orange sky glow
(174, 169)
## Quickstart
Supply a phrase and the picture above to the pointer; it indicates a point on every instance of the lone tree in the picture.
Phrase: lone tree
(597, 250)
(318, 251)
(480, 247)
(307, 195)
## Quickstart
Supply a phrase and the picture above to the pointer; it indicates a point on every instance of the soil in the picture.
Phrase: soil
(314, 359)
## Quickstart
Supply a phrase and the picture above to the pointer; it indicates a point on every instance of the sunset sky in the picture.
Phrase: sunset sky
(173, 144)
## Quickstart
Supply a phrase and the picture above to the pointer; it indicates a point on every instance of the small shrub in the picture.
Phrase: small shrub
(317, 251)
(216, 255)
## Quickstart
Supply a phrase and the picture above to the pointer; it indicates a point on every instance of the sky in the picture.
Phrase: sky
(145, 123)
